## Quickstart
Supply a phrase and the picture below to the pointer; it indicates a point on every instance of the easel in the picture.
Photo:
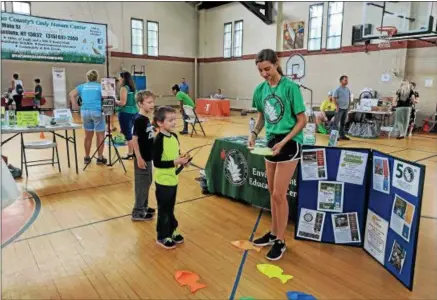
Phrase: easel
(108, 107)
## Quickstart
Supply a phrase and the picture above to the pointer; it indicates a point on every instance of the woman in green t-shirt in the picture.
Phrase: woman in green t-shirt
(128, 110)
(281, 111)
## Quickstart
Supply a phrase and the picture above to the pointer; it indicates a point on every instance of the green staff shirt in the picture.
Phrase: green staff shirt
(280, 105)
(186, 100)
(165, 151)
(130, 107)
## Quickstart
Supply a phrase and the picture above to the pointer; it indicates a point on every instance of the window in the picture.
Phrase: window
(152, 38)
(137, 37)
(20, 7)
(3, 6)
(335, 25)
(315, 27)
(238, 38)
(227, 40)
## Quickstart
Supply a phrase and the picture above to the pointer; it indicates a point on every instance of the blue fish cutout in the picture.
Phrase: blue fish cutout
(293, 295)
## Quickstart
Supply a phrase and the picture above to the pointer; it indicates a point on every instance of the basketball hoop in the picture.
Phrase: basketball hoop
(386, 32)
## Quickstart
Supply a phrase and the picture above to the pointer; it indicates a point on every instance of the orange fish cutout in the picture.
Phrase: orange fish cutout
(189, 278)
(245, 245)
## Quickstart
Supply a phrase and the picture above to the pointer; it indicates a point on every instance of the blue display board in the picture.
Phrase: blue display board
(387, 204)
(354, 197)
(394, 210)
(140, 82)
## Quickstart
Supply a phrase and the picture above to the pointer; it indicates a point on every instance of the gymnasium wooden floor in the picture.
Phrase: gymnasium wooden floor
(83, 244)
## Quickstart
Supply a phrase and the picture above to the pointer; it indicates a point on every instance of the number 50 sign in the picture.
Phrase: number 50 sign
(406, 177)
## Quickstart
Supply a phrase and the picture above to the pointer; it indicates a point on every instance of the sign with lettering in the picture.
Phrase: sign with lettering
(43, 39)
(27, 118)
(63, 115)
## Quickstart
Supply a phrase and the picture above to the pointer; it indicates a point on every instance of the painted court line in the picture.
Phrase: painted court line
(426, 158)
(243, 260)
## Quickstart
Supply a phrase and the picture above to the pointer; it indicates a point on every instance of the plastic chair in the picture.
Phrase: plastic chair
(193, 119)
(40, 145)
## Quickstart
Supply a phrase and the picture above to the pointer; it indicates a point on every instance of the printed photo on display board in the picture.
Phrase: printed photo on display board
(293, 35)
(311, 224)
(375, 236)
(313, 164)
(330, 196)
(346, 228)
(381, 175)
(352, 167)
(406, 177)
(397, 256)
(402, 217)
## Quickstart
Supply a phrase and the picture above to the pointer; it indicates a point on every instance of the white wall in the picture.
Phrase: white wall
(256, 34)
(177, 38)
(238, 78)
(177, 29)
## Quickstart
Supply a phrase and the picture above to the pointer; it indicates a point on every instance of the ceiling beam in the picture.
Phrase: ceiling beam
(263, 11)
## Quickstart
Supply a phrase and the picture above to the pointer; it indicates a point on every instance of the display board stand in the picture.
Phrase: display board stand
(363, 198)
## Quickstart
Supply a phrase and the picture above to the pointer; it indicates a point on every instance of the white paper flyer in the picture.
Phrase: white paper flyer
(402, 216)
(375, 236)
(381, 175)
(406, 177)
(352, 167)
(311, 224)
(330, 196)
(346, 228)
(313, 164)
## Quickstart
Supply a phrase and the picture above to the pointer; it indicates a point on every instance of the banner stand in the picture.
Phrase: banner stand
(362, 198)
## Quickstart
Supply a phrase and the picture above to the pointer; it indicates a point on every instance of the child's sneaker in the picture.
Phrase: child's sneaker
(150, 210)
(140, 215)
(166, 243)
(177, 237)
(265, 240)
(276, 251)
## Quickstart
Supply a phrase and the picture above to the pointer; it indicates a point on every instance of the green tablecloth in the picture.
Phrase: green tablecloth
(234, 172)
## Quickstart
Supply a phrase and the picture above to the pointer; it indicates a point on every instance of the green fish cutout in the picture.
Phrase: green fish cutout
(273, 271)
(263, 151)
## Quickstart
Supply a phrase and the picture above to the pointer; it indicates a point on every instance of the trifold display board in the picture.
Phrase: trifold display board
(363, 198)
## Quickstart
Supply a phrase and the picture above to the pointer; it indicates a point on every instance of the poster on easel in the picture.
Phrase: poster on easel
(108, 96)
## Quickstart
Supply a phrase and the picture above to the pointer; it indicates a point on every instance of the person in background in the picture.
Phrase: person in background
(184, 87)
(142, 142)
(219, 94)
(183, 99)
(341, 97)
(16, 91)
(281, 110)
(327, 112)
(128, 110)
(91, 113)
(38, 95)
(166, 157)
(405, 101)
(413, 109)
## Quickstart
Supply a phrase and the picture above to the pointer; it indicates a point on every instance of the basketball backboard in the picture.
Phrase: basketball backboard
(410, 18)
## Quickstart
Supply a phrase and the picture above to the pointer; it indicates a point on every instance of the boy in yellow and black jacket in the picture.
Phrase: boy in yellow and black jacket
(166, 157)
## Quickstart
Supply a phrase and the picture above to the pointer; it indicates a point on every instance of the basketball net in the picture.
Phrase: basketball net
(386, 33)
